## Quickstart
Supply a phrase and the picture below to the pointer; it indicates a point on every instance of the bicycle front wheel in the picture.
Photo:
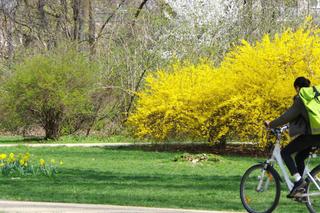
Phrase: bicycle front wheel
(260, 189)
(313, 191)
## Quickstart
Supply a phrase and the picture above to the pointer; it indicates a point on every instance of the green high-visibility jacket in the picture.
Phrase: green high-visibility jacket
(297, 117)
(310, 96)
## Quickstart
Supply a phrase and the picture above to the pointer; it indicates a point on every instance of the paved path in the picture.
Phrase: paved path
(72, 144)
(91, 144)
(43, 207)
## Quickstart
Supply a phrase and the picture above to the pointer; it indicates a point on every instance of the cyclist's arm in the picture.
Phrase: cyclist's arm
(292, 113)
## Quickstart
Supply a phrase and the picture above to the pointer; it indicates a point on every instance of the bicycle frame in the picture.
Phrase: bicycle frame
(276, 157)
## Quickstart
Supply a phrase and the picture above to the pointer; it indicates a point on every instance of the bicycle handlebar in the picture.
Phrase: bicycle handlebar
(279, 130)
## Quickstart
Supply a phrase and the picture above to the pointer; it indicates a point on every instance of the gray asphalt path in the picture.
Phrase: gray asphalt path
(69, 144)
(43, 207)
(88, 144)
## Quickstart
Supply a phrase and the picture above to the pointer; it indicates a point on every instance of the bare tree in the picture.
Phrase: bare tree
(76, 19)
(8, 7)
(247, 18)
(92, 27)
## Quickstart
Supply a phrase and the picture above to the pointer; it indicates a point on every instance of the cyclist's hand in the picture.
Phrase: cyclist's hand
(267, 124)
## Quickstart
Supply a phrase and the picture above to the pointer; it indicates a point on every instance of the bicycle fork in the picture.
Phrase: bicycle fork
(264, 173)
(261, 177)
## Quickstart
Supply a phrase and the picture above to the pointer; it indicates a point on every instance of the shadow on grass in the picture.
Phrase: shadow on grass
(161, 190)
(20, 139)
(215, 192)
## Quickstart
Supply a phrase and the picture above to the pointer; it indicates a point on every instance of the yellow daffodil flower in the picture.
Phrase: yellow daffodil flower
(3, 156)
(42, 162)
(21, 162)
(11, 157)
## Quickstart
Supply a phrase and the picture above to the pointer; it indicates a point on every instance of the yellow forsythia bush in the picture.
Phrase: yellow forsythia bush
(230, 102)
(177, 103)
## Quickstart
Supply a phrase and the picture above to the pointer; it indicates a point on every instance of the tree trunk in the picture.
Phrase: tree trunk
(52, 123)
(247, 19)
(64, 19)
(76, 17)
(92, 28)
(9, 10)
(9, 32)
(81, 18)
(43, 17)
(52, 132)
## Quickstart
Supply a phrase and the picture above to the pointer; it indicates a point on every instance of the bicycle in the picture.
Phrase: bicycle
(260, 184)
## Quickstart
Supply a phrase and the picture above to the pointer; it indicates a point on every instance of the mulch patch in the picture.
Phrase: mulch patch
(227, 149)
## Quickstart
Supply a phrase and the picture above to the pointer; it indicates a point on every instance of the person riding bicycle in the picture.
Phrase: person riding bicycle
(299, 130)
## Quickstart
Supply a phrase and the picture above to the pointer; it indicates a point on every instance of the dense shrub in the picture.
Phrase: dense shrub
(178, 103)
(51, 90)
(254, 83)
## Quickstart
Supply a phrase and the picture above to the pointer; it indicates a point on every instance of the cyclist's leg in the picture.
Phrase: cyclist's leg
(298, 144)
(294, 146)
(299, 159)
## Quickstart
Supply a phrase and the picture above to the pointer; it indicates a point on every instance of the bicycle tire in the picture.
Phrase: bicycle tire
(315, 173)
(271, 173)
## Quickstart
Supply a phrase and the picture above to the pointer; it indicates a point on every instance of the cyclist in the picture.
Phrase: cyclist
(300, 132)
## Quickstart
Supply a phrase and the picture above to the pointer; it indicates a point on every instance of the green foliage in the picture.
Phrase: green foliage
(51, 90)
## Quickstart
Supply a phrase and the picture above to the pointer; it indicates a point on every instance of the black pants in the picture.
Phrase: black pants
(302, 146)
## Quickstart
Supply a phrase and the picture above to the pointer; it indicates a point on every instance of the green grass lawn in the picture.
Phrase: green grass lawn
(124, 177)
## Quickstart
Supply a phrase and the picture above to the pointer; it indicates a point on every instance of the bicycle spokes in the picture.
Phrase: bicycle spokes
(259, 189)
(313, 191)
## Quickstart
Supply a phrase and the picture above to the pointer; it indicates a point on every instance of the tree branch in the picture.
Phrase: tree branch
(119, 88)
(134, 94)
(139, 11)
(108, 19)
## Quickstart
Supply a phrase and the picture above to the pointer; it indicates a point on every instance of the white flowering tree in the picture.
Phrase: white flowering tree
(200, 24)
(217, 24)
(200, 12)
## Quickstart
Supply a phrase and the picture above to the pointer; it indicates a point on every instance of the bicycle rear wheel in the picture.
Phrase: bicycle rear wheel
(313, 200)
(260, 189)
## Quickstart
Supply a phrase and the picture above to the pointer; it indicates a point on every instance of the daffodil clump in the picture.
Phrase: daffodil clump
(230, 102)
(21, 165)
